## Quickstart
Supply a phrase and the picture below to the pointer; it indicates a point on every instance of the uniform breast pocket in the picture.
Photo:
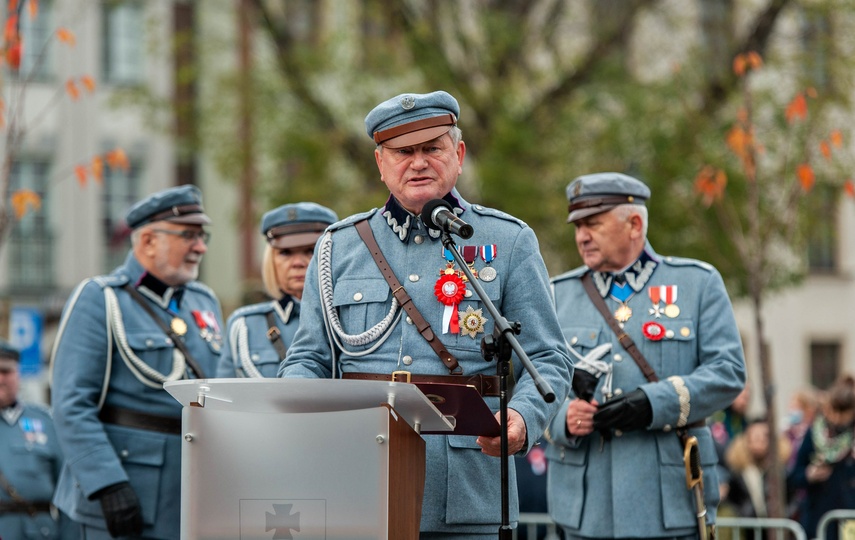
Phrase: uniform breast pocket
(361, 303)
(155, 349)
(678, 344)
(34, 462)
(142, 458)
(581, 338)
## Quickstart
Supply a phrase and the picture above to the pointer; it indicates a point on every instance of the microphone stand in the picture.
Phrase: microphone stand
(499, 346)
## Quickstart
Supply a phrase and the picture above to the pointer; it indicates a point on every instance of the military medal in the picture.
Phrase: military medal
(488, 253)
(449, 266)
(472, 322)
(178, 326)
(470, 253)
(449, 290)
(655, 294)
(623, 313)
(670, 297)
(653, 331)
(622, 293)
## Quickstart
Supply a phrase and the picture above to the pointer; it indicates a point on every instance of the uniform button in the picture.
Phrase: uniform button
(357, 296)
(562, 454)
(478, 207)
(468, 293)
(124, 453)
(618, 358)
(618, 392)
(149, 343)
(414, 277)
(685, 331)
(618, 433)
(593, 335)
(409, 320)
(418, 239)
(666, 428)
(407, 360)
(574, 341)
(669, 334)
(254, 357)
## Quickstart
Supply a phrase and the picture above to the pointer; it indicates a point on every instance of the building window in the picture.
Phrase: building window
(36, 53)
(30, 240)
(123, 52)
(822, 236)
(121, 191)
(824, 363)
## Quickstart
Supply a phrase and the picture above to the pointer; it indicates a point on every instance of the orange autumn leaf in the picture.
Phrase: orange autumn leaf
(745, 61)
(825, 149)
(88, 82)
(804, 172)
(811, 92)
(71, 89)
(849, 188)
(80, 173)
(98, 168)
(66, 36)
(117, 159)
(739, 141)
(710, 183)
(13, 55)
(33, 8)
(24, 199)
(754, 60)
(11, 30)
(797, 109)
(836, 138)
(739, 65)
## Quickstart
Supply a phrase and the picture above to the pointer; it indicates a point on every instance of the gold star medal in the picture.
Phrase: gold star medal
(472, 322)
(623, 313)
(178, 326)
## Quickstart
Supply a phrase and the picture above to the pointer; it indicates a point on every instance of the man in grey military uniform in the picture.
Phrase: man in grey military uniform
(121, 336)
(419, 153)
(30, 461)
(258, 336)
(616, 467)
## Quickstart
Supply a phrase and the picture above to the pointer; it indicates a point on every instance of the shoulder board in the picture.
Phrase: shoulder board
(348, 221)
(202, 288)
(682, 261)
(37, 408)
(576, 273)
(252, 309)
(113, 280)
(484, 211)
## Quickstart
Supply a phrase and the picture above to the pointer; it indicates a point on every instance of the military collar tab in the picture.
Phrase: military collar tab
(158, 291)
(286, 306)
(12, 413)
(401, 221)
(636, 274)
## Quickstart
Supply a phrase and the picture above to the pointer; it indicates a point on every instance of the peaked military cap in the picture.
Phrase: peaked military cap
(182, 204)
(8, 352)
(296, 225)
(409, 119)
(599, 192)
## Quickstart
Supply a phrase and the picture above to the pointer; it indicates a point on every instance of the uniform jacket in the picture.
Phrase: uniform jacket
(247, 349)
(634, 485)
(462, 489)
(98, 454)
(30, 460)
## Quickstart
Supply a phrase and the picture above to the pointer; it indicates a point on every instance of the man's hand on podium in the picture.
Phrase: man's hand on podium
(492, 446)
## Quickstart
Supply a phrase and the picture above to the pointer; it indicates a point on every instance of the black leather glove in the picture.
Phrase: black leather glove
(584, 384)
(626, 413)
(122, 510)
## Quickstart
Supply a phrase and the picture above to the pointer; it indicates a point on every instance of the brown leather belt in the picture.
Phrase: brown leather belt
(140, 420)
(24, 507)
(487, 385)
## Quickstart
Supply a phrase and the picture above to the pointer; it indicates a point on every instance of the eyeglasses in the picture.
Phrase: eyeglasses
(188, 235)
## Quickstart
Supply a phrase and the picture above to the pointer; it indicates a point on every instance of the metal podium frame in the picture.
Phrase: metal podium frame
(330, 459)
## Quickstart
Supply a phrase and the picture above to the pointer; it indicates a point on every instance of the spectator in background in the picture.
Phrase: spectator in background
(803, 409)
(825, 463)
(749, 461)
(30, 461)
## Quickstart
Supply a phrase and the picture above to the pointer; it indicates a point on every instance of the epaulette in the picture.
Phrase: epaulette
(260, 308)
(485, 211)
(348, 221)
(202, 288)
(683, 261)
(576, 273)
(112, 280)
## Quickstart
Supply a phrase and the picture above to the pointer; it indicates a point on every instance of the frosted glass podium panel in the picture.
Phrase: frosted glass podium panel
(268, 459)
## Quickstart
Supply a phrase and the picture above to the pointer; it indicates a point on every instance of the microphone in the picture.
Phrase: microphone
(437, 214)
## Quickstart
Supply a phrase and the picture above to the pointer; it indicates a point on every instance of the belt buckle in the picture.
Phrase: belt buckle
(404, 374)
(273, 332)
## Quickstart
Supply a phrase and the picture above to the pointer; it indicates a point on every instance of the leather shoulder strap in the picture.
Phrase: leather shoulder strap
(176, 339)
(403, 298)
(624, 339)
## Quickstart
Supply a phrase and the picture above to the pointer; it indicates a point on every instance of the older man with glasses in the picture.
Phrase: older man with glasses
(120, 338)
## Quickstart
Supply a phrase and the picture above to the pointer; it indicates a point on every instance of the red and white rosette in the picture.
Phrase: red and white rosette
(450, 290)
(653, 331)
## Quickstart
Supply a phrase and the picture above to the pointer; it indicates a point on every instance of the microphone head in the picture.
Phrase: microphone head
(428, 209)
(466, 231)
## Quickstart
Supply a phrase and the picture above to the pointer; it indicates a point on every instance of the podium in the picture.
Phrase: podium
(302, 458)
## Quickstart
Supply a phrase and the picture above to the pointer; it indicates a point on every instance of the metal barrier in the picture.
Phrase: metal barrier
(828, 517)
(529, 522)
(756, 528)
